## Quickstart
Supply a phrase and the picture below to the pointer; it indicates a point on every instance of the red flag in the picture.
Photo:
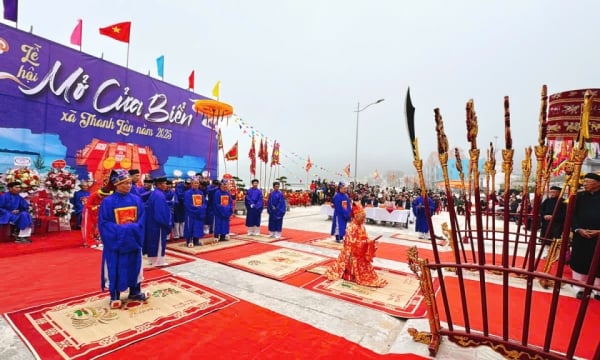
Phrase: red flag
(308, 165)
(261, 153)
(252, 156)
(232, 154)
(191, 79)
(347, 170)
(275, 156)
(119, 31)
(76, 34)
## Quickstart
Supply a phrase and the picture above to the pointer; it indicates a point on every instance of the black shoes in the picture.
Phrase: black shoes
(23, 240)
(580, 295)
(139, 297)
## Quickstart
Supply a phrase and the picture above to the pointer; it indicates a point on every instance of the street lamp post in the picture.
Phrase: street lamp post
(358, 111)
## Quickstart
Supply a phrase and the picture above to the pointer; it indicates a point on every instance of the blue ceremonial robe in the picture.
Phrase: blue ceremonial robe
(276, 208)
(122, 251)
(418, 206)
(158, 224)
(210, 212)
(78, 205)
(10, 202)
(223, 209)
(194, 214)
(342, 207)
(254, 206)
(179, 206)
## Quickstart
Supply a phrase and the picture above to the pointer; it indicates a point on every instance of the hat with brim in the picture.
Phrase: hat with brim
(134, 171)
(557, 188)
(104, 192)
(159, 180)
(118, 176)
(13, 183)
(592, 176)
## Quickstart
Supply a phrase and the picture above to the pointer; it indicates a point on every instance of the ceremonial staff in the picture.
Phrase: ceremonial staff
(442, 141)
(417, 265)
(472, 130)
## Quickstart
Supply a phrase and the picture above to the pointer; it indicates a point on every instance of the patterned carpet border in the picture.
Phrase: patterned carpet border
(85, 327)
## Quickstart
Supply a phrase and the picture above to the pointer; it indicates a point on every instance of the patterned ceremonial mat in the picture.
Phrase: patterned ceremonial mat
(328, 242)
(401, 297)
(278, 264)
(85, 327)
(261, 238)
(170, 258)
(182, 246)
(414, 238)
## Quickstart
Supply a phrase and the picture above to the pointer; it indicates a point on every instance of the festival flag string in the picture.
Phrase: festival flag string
(11, 10)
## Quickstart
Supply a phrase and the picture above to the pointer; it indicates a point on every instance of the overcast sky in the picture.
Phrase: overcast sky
(296, 70)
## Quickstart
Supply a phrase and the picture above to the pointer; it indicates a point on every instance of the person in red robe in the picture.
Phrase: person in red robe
(89, 220)
(354, 262)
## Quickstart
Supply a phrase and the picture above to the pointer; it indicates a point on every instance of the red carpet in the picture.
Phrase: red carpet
(564, 319)
(241, 331)
(85, 327)
(51, 241)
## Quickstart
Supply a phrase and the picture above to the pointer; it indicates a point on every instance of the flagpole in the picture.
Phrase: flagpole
(81, 36)
(127, 61)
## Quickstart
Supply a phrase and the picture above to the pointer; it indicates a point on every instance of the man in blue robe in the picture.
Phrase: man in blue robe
(194, 202)
(254, 207)
(222, 209)
(121, 224)
(135, 176)
(342, 208)
(158, 223)
(421, 223)
(78, 200)
(209, 221)
(179, 208)
(276, 208)
(15, 210)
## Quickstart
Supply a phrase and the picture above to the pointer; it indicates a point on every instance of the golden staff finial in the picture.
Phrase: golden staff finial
(472, 127)
(543, 117)
(507, 136)
(584, 128)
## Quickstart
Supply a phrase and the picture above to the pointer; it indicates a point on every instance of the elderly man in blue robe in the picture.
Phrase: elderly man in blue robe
(194, 202)
(342, 208)
(15, 210)
(254, 207)
(121, 224)
(158, 223)
(222, 209)
(421, 223)
(276, 208)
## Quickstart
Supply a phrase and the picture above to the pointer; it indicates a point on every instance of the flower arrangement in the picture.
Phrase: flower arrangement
(29, 179)
(62, 207)
(60, 180)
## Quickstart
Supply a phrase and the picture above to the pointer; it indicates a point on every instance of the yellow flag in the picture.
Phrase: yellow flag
(215, 92)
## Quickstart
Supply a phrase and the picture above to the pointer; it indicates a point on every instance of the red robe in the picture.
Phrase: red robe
(354, 262)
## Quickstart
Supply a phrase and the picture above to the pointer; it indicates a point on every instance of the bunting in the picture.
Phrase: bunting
(119, 31)
(252, 156)
(347, 170)
(232, 154)
(275, 155)
(309, 165)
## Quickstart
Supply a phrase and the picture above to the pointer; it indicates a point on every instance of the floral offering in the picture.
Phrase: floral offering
(60, 180)
(29, 179)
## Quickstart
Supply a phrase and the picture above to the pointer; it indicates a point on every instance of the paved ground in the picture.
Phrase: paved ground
(369, 328)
